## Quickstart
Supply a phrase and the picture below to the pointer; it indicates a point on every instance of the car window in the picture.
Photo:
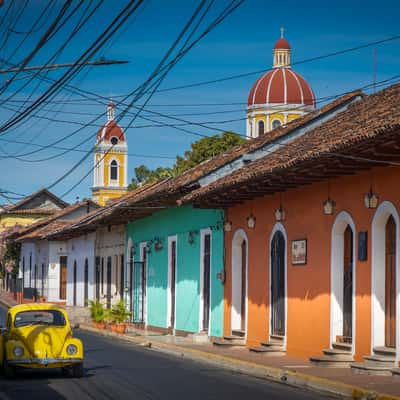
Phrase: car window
(39, 317)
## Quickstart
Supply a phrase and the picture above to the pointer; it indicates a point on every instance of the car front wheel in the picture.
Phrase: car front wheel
(8, 370)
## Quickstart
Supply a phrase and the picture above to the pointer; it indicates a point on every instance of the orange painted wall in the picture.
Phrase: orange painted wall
(308, 287)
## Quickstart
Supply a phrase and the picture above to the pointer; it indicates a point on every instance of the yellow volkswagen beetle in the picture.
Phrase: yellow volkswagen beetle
(39, 336)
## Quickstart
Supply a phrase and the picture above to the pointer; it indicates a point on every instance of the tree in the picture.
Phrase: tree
(200, 151)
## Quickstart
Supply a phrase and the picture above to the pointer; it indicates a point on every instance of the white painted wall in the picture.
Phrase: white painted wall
(79, 249)
(56, 249)
(111, 244)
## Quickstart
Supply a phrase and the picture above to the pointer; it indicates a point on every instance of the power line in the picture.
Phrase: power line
(63, 65)
(138, 155)
(226, 12)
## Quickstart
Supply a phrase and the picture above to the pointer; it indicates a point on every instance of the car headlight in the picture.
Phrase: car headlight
(72, 349)
(18, 351)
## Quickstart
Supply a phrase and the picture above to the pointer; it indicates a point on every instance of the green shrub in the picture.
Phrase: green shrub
(97, 311)
(119, 314)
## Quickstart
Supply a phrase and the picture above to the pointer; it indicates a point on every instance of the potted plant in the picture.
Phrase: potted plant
(118, 317)
(98, 314)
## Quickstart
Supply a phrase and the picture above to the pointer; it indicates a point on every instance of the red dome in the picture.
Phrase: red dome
(109, 130)
(282, 43)
(281, 86)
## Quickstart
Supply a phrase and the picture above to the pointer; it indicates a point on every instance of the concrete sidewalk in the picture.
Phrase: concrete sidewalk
(293, 371)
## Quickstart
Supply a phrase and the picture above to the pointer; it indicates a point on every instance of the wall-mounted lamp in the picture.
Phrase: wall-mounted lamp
(371, 199)
(280, 214)
(191, 236)
(158, 245)
(228, 226)
(251, 221)
(329, 206)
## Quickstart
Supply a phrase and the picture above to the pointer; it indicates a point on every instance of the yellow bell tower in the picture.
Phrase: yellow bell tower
(110, 161)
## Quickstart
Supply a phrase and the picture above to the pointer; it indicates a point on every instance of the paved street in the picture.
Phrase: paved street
(118, 370)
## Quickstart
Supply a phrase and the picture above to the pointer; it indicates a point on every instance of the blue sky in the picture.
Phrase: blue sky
(242, 43)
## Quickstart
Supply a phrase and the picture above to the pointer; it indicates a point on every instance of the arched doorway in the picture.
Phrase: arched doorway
(278, 284)
(343, 279)
(390, 283)
(385, 274)
(348, 285)
(239, 281)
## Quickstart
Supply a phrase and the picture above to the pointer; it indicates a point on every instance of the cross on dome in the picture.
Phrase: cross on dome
(110, 111)
(282, 31)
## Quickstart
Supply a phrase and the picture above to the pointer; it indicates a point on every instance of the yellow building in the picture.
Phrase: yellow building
(38, 205)
(110, 161)
(279, 96)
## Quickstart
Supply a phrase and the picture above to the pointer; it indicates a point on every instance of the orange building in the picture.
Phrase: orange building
(312, 238)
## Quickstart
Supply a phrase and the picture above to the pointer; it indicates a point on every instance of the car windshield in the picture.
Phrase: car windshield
(39, 317)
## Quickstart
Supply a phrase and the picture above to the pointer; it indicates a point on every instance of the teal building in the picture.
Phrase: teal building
(176, 276)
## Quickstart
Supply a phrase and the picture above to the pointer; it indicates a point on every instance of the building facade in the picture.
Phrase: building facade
(312, 245)
(176, 260)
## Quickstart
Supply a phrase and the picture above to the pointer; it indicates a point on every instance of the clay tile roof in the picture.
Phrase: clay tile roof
(355, 130)
(155, 196)
(26, 199)
(23, 232)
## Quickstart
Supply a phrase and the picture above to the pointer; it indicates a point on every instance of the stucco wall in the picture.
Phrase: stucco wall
(179, 222)
(309, 286)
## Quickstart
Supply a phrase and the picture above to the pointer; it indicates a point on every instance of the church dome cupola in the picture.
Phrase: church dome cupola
(281, 57)
(279, 96)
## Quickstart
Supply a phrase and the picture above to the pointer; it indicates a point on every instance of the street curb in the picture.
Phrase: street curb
(292, 378)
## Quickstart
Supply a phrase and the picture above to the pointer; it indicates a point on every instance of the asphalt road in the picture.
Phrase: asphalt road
(121, 370)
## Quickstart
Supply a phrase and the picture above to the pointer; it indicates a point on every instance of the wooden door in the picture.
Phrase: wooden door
(173, 282)
(74, 284)
(63, 277)
(97, 278)
(244, 287)
(130, 289)
(206, 281)
(390, 284)
(348, 285)
(278, 284)
(122, 277)
(109, 279)
(86, 280)
(42, 282)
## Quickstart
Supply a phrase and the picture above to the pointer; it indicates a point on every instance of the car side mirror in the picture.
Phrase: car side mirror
(76, 326)
(3, 330)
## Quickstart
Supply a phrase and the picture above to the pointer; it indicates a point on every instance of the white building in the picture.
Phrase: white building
(44, 262)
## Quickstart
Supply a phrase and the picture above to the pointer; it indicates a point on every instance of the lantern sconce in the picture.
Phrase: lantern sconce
(329, 206)
(371, 199)
(251, 221)
(148, 246)
(228, 226)
(280, 214)
(158, 244)
(191, 237)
